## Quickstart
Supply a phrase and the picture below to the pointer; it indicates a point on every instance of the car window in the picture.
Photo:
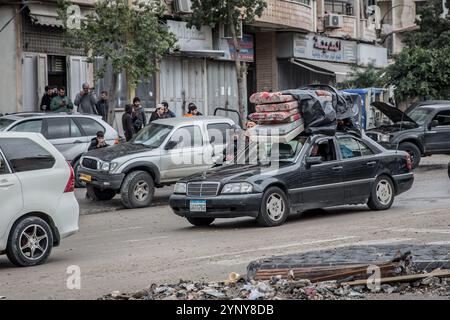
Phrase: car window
(324, 149)
(443, 118)
(57, 128)
(217, 132)
(30, 156)
(153, 135)
(3, 167)
(349, 148)
(419, 115)
(4, 123)
(90, 126)
(365, 150)
(74, 130)
(187, 137)
(28, 126)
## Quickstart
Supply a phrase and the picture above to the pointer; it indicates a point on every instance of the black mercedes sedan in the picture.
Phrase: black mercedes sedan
(309, 172)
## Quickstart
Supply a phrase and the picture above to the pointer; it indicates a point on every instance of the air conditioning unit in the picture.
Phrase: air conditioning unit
(333, 21)
(182, 6)
(225, 31)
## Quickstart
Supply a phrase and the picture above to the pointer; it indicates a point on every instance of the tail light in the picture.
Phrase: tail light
(70, 186)
(409, 164)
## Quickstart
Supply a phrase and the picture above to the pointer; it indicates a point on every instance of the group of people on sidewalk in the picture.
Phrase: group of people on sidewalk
(134, 118)
(56, 100)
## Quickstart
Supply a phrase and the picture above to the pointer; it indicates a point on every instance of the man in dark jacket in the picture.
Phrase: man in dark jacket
(98, 142)
(139, 118)
(103, 106)
(127, 122)
(158, 113)
(167, 112)
(47, 98)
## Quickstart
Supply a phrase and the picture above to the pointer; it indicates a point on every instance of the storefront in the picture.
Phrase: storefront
(46, 60)
(202, 71)
(304, 59)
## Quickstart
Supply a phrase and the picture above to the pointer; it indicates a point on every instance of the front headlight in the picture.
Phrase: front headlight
(385, 138)
(105, 166)
(180, 188)
(240, 187)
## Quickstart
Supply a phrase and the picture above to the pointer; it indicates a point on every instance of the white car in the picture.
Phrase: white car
(37, 202)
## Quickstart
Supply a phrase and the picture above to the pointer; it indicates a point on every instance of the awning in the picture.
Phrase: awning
(203, 53)
(341, 71)
(47, 15)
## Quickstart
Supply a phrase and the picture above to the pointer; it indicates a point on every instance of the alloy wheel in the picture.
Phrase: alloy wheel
(141, 190)
(384, 192)
(33, 242)
(275, 207)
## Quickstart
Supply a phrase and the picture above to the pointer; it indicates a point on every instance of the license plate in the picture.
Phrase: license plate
(197, 206)
(85, 177)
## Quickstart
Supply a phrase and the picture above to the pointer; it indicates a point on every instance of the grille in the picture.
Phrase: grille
(89, 163)
(202, 189)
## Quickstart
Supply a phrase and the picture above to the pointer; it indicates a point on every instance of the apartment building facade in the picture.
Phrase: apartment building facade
(294, 42)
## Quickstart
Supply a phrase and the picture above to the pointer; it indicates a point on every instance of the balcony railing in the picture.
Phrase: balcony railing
(339, 7)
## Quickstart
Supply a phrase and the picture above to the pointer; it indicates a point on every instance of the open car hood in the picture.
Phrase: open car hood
(394, 114)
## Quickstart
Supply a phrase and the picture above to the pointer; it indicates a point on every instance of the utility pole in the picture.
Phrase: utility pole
(130, 90)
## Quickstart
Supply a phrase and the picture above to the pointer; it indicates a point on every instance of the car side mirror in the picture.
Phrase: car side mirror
(170, 145)
(212, 139)
(433, 124)
(311, 161)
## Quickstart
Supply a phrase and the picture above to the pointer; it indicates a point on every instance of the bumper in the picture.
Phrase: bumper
(404, 182)
(103, 180)
(222, 206)
(67, 215)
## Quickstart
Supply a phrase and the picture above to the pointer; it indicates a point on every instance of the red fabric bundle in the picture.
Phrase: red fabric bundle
(284, 106)
(273, 116)
(270, 97)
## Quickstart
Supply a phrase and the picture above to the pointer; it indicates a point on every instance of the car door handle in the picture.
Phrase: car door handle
(371, 163)
(78, 141)
(6, 184)
(338, 168)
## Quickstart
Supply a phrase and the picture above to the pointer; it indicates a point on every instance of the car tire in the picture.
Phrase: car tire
(97, 194)
(382, 194)
(274, 208)
(413, 151)
(137, 190)
(78, 182)
(200, 222)
(30, 242)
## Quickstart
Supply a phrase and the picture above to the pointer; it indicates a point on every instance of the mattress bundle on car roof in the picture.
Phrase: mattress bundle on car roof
(284, 115)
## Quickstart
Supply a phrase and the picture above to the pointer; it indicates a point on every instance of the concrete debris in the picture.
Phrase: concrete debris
(281, 289)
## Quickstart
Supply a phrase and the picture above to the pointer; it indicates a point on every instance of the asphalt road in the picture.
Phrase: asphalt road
(127, 250)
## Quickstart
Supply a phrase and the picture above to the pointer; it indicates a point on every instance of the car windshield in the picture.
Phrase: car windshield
(153, 135)
(419, 115)
(4, 123)
(266, 151)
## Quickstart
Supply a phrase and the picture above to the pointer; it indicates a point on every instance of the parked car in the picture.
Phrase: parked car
(70, 133)
(423, 130)
(38, 205)
(153, 158)
(307, 173)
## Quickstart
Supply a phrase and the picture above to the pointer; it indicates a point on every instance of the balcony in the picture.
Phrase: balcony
(339, 7)
(287, 14)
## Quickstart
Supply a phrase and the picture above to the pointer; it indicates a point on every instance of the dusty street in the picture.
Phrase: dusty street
(127, 250)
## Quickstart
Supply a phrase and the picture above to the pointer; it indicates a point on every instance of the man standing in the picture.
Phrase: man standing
(158, 114)
(167, 112)
(47, 98)
(86, 100)
(193, 111)
(139, 118)
(61, 103)
(127, 122)
(103, 106)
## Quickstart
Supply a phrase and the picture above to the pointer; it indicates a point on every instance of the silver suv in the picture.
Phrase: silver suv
(161, 154)
(70, 133)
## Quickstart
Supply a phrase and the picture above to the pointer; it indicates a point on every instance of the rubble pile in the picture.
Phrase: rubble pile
(282, 289)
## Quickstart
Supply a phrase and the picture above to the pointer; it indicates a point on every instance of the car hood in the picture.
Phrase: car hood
(117, 151)
(394, 114)
(235, 172)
